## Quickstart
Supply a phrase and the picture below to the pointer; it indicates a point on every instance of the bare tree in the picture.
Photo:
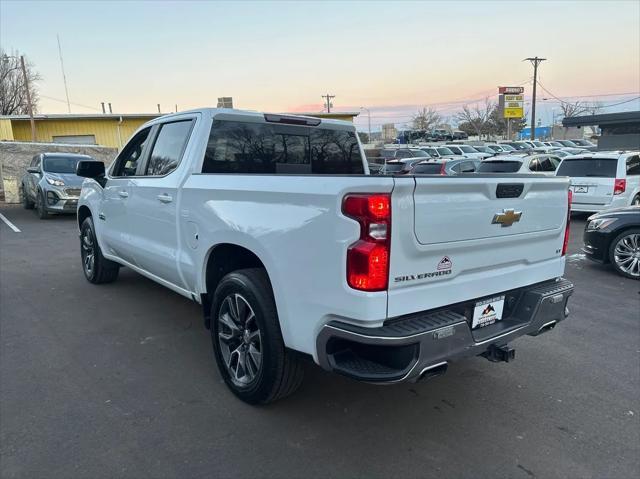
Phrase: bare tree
(13, 98)
(477, 118)
(570, 109)
(594, 108)
(425, 119)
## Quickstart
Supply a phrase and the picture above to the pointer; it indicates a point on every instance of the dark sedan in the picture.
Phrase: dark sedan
(614, 237)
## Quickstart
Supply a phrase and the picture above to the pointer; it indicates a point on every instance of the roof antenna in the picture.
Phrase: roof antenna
(64, 76)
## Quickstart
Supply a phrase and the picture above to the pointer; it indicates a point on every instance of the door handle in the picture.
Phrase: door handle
(123, 194)
(165, 198)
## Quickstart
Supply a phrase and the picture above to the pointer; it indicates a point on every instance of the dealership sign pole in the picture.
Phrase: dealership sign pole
(511, 102)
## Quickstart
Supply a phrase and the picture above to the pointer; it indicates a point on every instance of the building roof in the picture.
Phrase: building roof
(149, 116)
(604, 119)
(73, 116)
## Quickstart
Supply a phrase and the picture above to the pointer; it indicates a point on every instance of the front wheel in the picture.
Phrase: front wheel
(26, 202)
(624, 253)
(97, 269)
(41, 208)
(247, 341)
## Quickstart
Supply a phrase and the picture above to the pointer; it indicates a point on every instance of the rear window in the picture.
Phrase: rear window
(261, 148)
(427, 169)
(468, 149)
(499, 166)
(585, 167)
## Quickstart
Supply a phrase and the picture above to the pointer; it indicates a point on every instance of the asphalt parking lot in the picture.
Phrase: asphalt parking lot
(119, 381)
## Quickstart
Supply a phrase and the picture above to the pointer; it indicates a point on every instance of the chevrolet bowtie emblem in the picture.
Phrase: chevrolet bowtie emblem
(507, 217)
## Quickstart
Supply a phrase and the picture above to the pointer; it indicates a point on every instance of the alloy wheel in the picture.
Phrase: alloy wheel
(88, 252)
(627, 254)
(239, 339)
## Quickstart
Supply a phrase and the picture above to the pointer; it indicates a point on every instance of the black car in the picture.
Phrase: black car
(614, 237)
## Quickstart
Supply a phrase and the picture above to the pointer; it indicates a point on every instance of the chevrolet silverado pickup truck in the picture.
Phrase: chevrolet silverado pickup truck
(273, 224)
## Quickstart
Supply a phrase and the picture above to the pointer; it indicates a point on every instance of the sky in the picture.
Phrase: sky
(389, 57)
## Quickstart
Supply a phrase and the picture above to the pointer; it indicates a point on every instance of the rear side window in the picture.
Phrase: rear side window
(261, 148)
(499, 166)
(633, 165)
(168, 147)
(403, 154)
(585, 167)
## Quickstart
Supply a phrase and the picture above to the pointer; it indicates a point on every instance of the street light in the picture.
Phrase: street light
(369, 117)
(5, 59)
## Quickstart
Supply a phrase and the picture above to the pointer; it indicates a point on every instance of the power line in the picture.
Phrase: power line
(65, 101)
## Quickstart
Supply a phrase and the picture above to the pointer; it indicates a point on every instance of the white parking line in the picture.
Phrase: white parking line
(9, 223)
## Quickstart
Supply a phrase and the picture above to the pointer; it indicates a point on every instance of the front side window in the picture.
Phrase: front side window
(633, 165)
(168, 147)
(127, 162)
(261, 148)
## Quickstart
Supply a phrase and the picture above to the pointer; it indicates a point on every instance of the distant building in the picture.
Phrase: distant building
(619, 131)
(389, 132)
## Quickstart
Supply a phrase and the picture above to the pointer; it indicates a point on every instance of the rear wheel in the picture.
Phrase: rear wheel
(41, 208)
(624, 253)
(247, 341)
(636, 201)
(97, 269)
(26, 202)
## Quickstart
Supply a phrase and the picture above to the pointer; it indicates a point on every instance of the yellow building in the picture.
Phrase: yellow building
(97, 129)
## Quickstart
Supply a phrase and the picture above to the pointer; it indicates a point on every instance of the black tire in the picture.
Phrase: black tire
(636, 201)
(97, 269)
(40, 206)
(26, 202)
(634, 272)
(279, 371)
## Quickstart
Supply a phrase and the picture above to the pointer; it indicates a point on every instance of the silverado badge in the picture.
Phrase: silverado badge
(507, 217)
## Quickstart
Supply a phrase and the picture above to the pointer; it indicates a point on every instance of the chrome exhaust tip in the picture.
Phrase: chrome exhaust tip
(433, 371)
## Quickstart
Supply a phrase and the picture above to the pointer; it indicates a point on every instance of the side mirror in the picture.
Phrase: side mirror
(90, 169)
(33, 169)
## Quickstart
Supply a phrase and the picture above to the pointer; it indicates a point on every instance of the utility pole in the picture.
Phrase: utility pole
(64, 76)
(29, 105)
(535, 61)
(328, 100)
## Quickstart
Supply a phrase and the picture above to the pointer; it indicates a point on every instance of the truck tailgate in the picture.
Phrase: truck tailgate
(469, 237)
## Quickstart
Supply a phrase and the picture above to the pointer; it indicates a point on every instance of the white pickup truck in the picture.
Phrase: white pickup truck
(274, 225)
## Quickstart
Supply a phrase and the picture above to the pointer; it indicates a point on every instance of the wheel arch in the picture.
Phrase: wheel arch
(83, 213)
(222, 259)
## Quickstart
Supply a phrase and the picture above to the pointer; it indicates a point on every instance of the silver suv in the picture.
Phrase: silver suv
(51, 184)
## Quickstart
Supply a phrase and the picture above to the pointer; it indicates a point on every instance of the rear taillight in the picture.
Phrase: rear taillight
(565, 245)
(443, 171)
(619, 186)
(368, 258)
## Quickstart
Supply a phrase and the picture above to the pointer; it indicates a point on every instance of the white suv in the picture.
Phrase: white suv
(603, 180)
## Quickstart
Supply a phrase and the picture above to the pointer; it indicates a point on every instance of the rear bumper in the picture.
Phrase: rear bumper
(413, 346)
(618, 201)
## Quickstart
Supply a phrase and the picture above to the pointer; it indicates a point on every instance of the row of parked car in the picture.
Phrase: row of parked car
(602, 182)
